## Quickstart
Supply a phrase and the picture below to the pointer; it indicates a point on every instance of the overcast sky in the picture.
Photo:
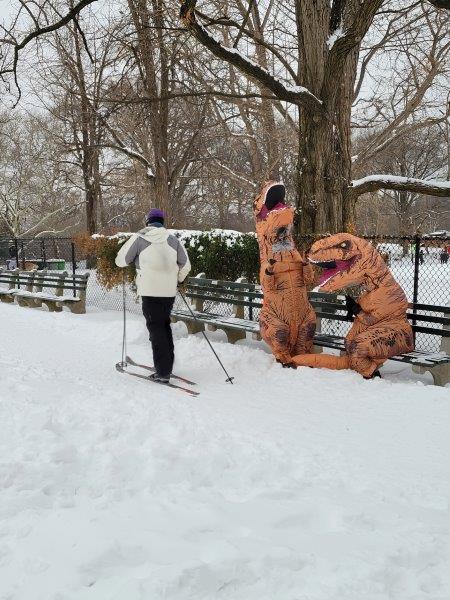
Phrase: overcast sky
(6, 8)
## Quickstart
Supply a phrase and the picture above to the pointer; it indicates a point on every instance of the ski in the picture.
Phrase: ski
(122, 369)
(152, 369)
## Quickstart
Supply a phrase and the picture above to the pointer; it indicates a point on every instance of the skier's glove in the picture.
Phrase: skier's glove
(353, 308)
(182, 286)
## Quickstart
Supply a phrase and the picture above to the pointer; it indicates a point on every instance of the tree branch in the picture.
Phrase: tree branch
(373, 183)
(440, 3)
(40, 31)
(296, 95)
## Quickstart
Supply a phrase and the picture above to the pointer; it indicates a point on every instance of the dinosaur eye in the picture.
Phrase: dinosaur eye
(344, 245)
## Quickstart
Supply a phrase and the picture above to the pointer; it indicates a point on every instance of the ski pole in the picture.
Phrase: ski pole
(230, 379)
(124, 363)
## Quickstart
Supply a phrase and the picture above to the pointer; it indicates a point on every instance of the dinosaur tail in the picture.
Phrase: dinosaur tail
(322, 361)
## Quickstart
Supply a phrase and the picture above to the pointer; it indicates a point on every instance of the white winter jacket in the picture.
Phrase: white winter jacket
(160, 258)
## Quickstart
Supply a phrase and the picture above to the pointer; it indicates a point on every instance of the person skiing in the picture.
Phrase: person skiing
(161, 263)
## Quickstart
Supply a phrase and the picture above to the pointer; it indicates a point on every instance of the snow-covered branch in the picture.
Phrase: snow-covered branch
(37, 32)
(296, 95)
(373, 183)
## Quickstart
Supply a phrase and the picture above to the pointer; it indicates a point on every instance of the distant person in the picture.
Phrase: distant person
(161, 264)
(443, 256)
(421, 256)
(11, 263)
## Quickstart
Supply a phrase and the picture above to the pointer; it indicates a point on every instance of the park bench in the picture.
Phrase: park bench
(209, 298)
(36, 288)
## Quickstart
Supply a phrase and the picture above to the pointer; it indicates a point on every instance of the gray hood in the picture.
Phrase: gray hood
(154, 235)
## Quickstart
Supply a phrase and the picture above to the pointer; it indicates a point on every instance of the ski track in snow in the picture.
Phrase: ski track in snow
(289, 485)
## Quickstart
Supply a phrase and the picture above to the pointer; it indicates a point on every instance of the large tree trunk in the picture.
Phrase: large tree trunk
(154, 65)
(89, 148)
(324, 159)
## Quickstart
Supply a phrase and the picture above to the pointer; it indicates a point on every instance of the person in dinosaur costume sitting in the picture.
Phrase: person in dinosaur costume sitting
(287, 319)
(380, 328)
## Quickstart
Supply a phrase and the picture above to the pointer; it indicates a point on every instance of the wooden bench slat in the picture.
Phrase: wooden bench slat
(63, 286)
(222, 300)
(235, 285)
(431, 331)
(429, 319)
(430, 307)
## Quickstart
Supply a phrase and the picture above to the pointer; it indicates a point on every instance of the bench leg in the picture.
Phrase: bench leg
(318, 349)
(25, 302)
(440, 373)
(78, 308)
(52, 306)
(194, 327)
(234, 335)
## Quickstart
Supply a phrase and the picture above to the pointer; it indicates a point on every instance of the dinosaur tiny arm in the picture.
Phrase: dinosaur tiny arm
(308, 274)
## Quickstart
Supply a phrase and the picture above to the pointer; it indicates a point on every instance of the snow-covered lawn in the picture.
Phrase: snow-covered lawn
(289, 485)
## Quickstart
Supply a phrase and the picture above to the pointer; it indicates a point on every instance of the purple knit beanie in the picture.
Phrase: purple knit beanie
(155, 215)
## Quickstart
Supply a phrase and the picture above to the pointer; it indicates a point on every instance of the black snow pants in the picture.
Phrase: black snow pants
(157, 316)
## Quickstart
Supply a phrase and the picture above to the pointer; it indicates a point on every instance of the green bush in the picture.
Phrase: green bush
(219, 254)
(222, 255)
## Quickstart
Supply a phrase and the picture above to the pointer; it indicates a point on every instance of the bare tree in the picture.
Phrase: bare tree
(34, 194)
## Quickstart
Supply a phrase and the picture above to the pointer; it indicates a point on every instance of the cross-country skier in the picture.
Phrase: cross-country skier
(161, 264)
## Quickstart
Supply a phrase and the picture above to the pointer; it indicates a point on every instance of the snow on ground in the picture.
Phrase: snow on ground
(289, 485)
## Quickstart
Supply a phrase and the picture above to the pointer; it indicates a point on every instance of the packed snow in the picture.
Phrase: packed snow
(396, 179)
(288, 485)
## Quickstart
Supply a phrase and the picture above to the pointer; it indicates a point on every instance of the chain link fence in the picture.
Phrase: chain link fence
(420, 264)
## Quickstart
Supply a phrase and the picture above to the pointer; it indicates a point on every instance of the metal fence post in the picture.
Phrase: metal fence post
(23, 255)
(74, 266)
(44, 258)
(16, 248)
(417, 240)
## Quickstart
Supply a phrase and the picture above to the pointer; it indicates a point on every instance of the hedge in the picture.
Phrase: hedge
(219, 254)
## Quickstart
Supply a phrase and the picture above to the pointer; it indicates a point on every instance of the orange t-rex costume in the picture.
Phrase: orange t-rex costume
(287, 319)
(380, 328)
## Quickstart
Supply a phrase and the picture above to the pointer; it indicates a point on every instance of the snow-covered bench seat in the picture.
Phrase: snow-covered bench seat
(209, 298)
(52, 289)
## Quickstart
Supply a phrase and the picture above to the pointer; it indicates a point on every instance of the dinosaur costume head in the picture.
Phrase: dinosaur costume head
(270, 198)
(274, 222)
(347, 262)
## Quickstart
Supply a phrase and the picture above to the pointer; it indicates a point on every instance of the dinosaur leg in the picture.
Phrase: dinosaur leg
(276, 334)
(370, 348)
(305, 334)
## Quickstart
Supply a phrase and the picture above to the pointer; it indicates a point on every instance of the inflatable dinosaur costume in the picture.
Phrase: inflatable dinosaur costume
(380, 328)
(287, 319)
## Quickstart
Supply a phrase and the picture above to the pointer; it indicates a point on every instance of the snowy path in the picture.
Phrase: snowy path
(290, 485)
